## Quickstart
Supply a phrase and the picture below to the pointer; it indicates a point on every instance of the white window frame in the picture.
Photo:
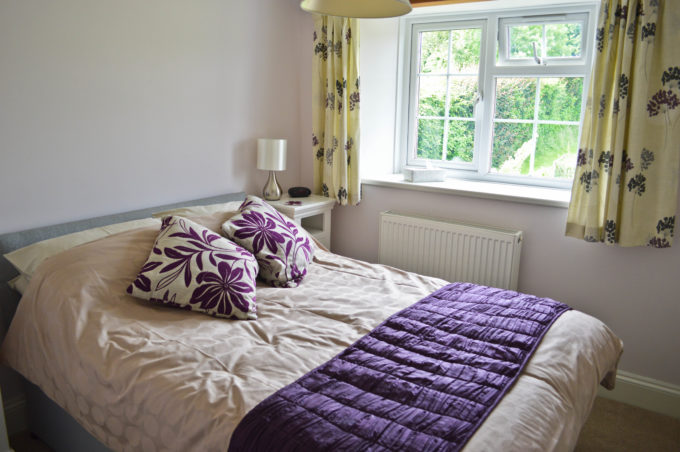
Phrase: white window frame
(493, 24)
(504, 38)
(414, 88)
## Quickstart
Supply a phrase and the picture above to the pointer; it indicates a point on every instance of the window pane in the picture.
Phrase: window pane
(434, 51)
(465, 51)
(521, 39)
(512, 148)
(563, 40)
(461, 141)
(515, 98)
(462, 92)
(432, 96)
(430, 139)
(556, 151)
(560, 99)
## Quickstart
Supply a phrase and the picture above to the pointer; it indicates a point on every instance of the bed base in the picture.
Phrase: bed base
(55, 427)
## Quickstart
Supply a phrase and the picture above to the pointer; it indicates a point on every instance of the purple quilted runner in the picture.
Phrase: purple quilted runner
(424, 380)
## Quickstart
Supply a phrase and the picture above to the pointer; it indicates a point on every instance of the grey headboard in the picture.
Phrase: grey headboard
(9, 299)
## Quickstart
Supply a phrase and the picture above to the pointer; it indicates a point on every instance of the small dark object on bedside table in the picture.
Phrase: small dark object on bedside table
(299, 192)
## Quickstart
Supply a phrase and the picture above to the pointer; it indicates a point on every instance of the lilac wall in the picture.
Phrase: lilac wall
(635, 291)
(110, 106)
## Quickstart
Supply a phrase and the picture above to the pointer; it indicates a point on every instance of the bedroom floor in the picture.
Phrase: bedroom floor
(612, 426)
(615, 426)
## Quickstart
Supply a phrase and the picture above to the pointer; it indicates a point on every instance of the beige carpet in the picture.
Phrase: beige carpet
(612, 426)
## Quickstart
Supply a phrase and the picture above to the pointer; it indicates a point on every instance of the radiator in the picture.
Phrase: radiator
(451, 250)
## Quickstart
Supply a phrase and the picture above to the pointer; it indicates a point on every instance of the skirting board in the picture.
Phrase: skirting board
(647, 393)
(643, 392)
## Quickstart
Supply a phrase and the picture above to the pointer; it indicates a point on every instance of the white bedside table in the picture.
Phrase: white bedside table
(312, 212)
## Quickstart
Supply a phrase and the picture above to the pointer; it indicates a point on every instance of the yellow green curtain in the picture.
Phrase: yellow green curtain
(626, 182)
(336, 109)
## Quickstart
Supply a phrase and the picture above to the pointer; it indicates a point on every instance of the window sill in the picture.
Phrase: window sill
(487, 190)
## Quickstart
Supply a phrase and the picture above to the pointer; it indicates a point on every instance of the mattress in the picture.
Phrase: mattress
(139, 376)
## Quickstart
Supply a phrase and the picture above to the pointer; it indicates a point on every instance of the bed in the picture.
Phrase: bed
(108, 371)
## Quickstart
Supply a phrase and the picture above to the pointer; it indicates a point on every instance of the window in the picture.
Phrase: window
(497, 96)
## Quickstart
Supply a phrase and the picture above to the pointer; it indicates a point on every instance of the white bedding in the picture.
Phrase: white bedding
(144, 377)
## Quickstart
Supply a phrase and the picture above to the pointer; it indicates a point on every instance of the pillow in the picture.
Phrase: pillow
(27, 259)
(282, 248)
(191, 211)
(19, 283)
(194, 268)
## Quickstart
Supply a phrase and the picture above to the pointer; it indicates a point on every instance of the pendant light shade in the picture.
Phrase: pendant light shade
(357, 8)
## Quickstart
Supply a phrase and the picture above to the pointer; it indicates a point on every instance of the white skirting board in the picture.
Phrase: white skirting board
(643, 392)
(647, 393)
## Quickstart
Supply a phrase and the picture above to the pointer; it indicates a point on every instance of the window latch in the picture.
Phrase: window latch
(479, 96)
(536, 57)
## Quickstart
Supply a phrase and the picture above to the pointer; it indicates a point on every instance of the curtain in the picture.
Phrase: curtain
(626, 182)
(335, 137)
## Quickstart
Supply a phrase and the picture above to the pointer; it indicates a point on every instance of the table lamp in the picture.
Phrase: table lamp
(271, 155)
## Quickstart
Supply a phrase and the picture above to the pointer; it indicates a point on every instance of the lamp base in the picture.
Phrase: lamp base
(272, 189)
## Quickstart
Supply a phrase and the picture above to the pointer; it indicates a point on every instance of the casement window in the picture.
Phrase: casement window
(497, 96)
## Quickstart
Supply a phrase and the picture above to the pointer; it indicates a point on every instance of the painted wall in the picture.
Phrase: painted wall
(111, 106)
(635, 291)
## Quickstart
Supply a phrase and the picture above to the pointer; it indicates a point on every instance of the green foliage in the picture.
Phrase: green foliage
(560, 100)
(430, 138)
(434, 51)
(461, 143)
(522, 38)
(563, 40)
(554, 141)
(507, 139)
(465, 51)
(432, 105)
(462, 92)
(515, 98)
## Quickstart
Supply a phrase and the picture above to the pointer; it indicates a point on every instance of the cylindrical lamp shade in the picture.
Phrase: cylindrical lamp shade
(357, 8)
(271, 154)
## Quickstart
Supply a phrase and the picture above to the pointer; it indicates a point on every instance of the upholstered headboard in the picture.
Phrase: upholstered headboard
(9, 299)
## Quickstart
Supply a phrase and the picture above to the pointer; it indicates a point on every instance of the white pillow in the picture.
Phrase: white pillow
(27, 259)
(195, 211)
(19, 283)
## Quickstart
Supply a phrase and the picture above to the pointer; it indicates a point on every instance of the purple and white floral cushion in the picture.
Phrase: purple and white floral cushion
(282, 248)
(191, 267)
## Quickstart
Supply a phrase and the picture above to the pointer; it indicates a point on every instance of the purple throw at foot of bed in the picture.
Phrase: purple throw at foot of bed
(424, 380)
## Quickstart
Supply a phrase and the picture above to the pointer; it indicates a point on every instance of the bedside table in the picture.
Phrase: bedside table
(313, 213)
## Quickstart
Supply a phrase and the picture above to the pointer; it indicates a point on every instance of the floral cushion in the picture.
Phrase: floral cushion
(282, 248)
(194, 268)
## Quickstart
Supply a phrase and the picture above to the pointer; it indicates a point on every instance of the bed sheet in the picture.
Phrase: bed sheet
(144, 377)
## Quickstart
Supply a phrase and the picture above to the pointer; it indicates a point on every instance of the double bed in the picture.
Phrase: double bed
(105, 370)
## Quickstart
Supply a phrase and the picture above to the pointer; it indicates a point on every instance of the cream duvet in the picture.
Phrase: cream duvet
(140, 376)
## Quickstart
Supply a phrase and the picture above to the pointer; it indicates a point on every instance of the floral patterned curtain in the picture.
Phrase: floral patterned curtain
(336, 109)
(626, 182)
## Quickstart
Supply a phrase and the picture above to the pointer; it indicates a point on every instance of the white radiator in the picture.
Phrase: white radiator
(450, 250)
